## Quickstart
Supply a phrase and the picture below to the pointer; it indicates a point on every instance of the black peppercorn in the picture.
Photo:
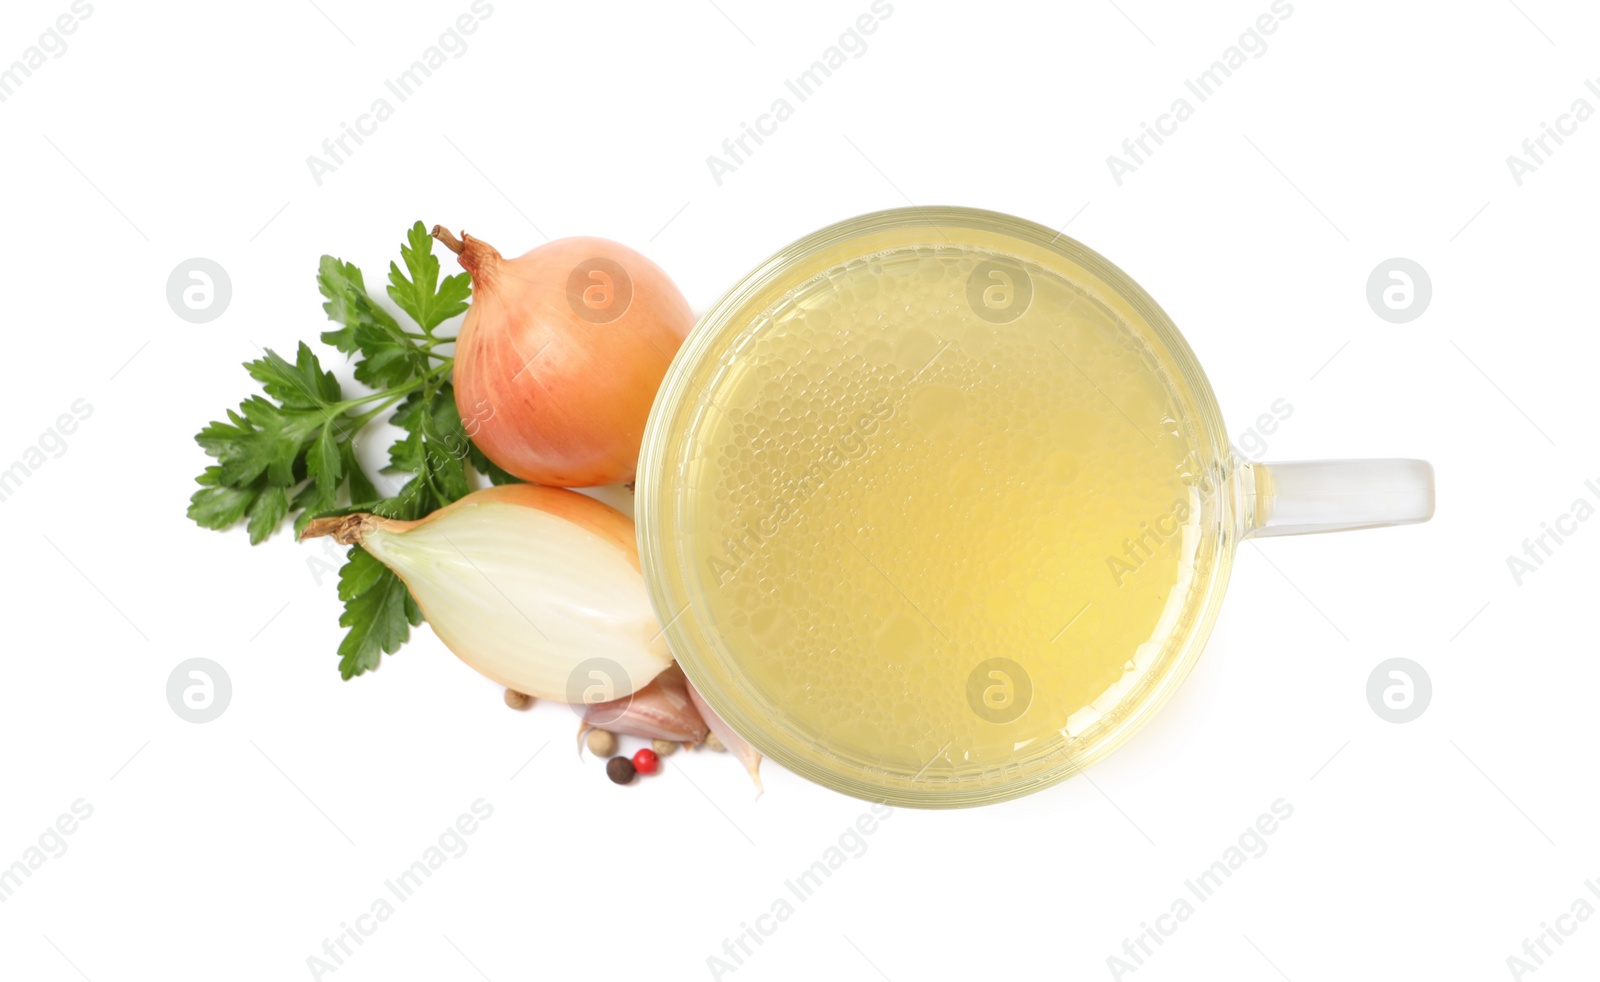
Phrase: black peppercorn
(620, 770)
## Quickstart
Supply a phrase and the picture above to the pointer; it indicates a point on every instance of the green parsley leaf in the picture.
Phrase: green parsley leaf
(303, 385)
(388, 357)
(429, 302)
(266, 513)
(361, 490)
(216, 506)
(325, 462)
(378, 610)
(260, 437)
(434, 448)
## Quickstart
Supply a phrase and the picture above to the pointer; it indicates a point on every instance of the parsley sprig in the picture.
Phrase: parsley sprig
(292, 450)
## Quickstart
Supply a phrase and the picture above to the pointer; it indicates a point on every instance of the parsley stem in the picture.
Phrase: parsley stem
(372, 414)
(349, 404)
(391, 396)
(427, 472)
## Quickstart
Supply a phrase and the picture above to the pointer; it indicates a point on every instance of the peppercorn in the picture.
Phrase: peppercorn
(601, 743)
(620, 770)
(518, 700)
(646, 761)
(663, 748)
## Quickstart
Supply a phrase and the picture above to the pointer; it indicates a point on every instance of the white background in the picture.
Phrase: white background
(1367, 130)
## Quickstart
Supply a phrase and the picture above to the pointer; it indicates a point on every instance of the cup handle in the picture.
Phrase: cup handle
(1302, 496)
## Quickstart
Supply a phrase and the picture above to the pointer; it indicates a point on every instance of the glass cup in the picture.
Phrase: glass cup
(938, 507)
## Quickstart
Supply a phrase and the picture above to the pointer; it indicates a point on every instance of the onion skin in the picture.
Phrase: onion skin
(561, 354)
(579, 509)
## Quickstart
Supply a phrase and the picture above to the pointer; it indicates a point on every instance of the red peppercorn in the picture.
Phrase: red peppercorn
(646, 761)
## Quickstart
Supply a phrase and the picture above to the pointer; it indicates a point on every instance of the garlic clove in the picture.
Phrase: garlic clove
(748, 755)
(661, 710)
